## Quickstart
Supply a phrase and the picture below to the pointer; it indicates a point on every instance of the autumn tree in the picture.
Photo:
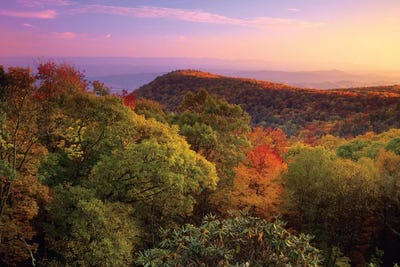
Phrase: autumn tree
(21, 193)
(258, 185)
(129, 99)
(57, 83)
(330, 142)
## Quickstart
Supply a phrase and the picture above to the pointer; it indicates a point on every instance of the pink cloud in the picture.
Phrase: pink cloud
(65, 35)
(294, 9)
(46, 14)
(28, 25)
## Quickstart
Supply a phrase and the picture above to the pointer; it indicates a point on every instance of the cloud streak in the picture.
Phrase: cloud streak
(28, 25)
(83, 36)
(65, 35)
(46, 14)
(42, 3)
(294, 9)
(160, 12)
(197, 16)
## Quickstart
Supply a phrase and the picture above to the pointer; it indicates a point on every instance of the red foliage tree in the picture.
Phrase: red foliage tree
(56, 80)
(129, 99)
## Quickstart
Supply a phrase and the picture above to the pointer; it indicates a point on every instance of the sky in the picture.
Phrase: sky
(293, 34)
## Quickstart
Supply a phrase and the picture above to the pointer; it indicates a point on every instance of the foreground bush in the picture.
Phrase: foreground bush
(238, 241)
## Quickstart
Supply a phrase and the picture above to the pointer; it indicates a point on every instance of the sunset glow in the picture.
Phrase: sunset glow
(304, 34)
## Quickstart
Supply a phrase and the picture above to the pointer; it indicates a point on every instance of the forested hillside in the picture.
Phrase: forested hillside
(88, 178)
(344, 112)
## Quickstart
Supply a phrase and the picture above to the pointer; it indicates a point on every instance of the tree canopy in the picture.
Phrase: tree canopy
(88, 178)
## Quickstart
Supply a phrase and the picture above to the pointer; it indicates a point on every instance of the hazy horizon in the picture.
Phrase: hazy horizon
(130, 73)
(238, 64)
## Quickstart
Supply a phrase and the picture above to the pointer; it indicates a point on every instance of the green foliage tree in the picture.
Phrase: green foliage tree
(101, 144)
(108, 156)
(358, 148)
(85, 231)
(150, 109)
(334, 198)
(388, 164)
(394, 145)
(86, 128)
(217, 130)
(158, 174)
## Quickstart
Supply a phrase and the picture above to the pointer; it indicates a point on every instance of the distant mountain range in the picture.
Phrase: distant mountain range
(131, 73)
(321, 79)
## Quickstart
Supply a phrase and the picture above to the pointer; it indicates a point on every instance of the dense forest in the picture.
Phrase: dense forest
(342, 112)
(221, 172)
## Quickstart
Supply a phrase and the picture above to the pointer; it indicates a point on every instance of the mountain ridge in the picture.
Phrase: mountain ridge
(279, 105)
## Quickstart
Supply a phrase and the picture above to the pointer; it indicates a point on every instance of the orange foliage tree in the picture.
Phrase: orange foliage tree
(258, 186)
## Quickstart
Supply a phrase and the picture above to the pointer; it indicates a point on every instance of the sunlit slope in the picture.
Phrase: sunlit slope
(341, 112)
